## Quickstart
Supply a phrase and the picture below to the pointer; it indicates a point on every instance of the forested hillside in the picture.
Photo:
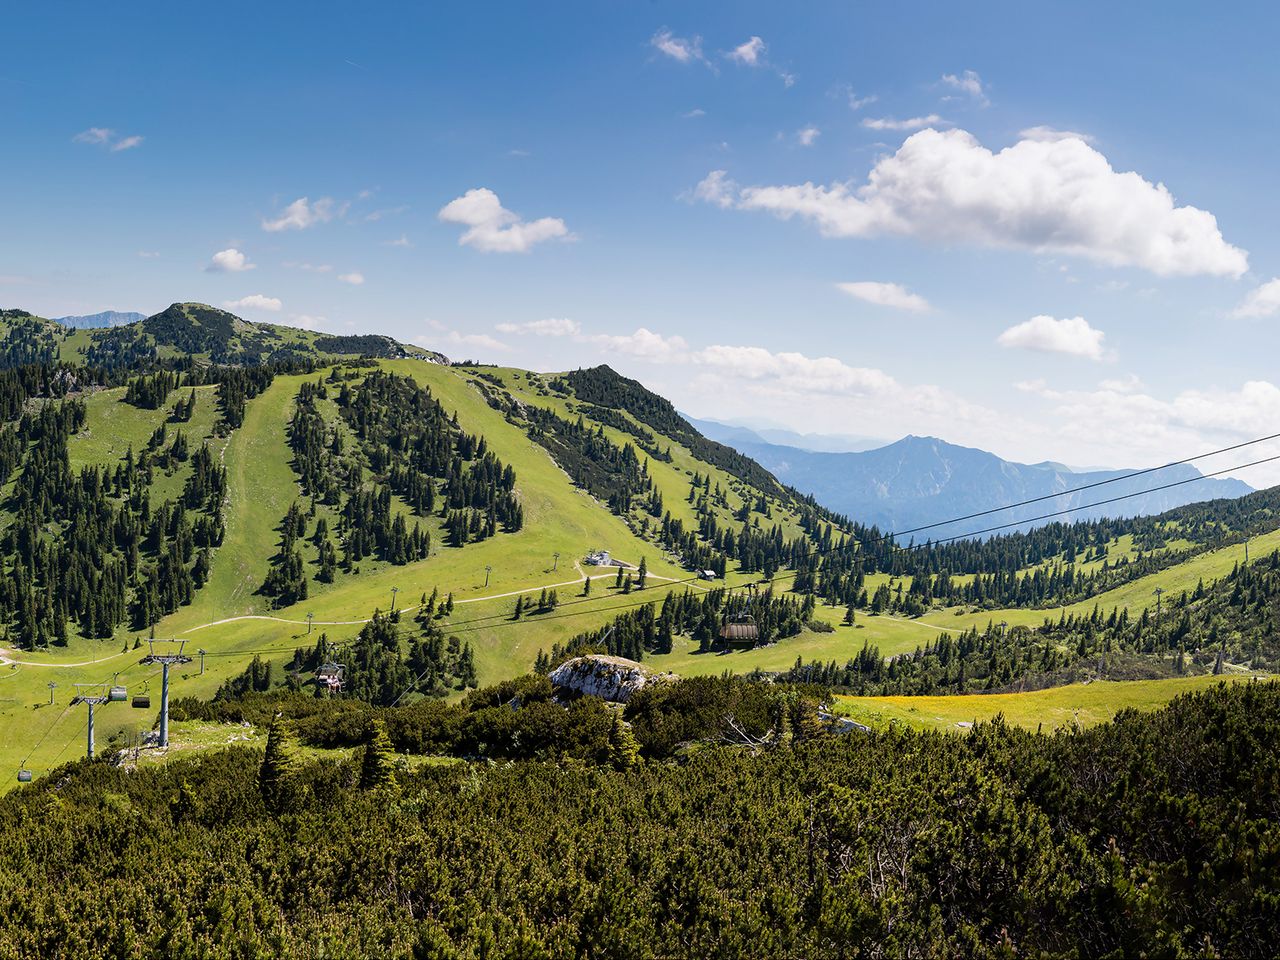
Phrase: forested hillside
(270, 496)
(1151, 836)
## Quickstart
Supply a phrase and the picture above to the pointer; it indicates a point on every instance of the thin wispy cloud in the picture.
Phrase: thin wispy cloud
(255, 301)
(967, 83)
(679, 49)
(808, 136)
(885, 295)
(551, 327)
(106, 138)
(301, 214)
(912, 123)
(354, 278)
(753, 53)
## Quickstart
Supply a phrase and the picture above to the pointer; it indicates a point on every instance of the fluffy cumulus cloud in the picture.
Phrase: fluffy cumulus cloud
(680, 49)
(550, 327)
(1261, 302)
(255, 301)
(355, 278)
(1050, 134)
(911, 123)
(1070, 335)
(301, 214)
(492, 228)
(1047, 195)
(808, 136)
(230, 260)
(885, 295)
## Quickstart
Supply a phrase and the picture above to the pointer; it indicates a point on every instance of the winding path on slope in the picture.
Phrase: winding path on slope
(5, 659)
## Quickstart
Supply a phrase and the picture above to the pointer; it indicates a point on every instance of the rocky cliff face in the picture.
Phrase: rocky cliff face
(609, 678)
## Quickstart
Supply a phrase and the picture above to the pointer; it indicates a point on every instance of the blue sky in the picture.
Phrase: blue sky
(1053, 223)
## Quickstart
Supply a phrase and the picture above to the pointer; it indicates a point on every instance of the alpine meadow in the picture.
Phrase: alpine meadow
(644, 482)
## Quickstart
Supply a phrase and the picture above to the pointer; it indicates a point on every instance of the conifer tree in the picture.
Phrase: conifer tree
(377, 767)
(278, 767)
(624, 748)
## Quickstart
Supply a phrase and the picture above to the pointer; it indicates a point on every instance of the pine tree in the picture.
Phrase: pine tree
(278, 767)
(643, 573)
(624, 748)
(377, 768)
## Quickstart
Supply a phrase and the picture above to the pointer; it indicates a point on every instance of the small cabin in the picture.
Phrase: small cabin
(707, 574)
(600, 558)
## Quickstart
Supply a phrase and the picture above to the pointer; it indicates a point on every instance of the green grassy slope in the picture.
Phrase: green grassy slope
(1084, 704)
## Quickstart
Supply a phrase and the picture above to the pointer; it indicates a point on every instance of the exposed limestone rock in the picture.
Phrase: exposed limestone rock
(609, 678)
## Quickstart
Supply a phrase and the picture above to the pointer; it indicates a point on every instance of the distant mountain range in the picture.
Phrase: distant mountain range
(814, 442)
(923, 480)
(107, 318)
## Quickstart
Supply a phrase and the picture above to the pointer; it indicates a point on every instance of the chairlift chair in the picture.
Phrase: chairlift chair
(24, 776)
(739, 631)
(142, 701)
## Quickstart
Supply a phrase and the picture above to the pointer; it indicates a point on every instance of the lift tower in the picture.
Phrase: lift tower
(92, 694)
(169, 653)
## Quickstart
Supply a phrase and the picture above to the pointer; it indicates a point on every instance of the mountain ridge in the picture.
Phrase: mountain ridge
(922, 481)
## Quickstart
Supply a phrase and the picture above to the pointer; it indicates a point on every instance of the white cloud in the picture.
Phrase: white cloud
(1072, 336)
(750, 54)
(968, 83)
(106, 137)
(886, 295)
(375, 215)
(1131, 383)
(808, 136)
(717, 189)
(1261, 302)
(850, 96)
(643, 343)
(1121, 423)
(308, 322)
(494, 229)
(694, 113)
(551, 327)
(94, 135)
(354, 278)
(310, 267)
(230, 260)
(255, 301)
(301, 214)
(677, 48)
(403, 241)
(459, 339)
(1059, 196)
(1050, 134)
(913, 123)
(149, 254)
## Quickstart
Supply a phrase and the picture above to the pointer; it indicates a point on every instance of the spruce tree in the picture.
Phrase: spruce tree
(278, 767)
(377, 767)
(624, 748)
